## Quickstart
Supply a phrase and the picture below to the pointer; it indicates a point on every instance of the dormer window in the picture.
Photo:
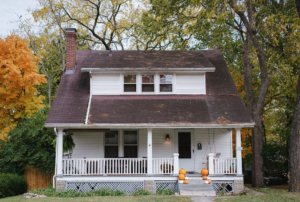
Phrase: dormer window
(165, 83)
(147, 83)
(130, 83)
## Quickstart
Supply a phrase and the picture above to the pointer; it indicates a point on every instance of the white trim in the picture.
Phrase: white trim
(113, 178)
(204, 84)
(88, 110)
(130, 70)
(145, 125)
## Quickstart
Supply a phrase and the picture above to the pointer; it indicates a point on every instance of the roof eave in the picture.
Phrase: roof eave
(147, 125)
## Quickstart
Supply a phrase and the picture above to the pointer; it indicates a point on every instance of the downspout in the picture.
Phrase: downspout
(88, 110)
(55, 170)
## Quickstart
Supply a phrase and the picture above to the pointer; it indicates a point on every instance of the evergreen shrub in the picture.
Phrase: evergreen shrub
(12, 185)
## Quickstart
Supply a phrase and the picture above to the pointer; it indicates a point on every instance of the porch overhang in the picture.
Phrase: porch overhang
(146, 125)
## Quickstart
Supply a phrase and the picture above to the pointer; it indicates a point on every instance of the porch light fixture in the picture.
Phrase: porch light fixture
(168, 137)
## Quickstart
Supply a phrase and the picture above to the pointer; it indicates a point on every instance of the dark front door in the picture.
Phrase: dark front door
(185, 142)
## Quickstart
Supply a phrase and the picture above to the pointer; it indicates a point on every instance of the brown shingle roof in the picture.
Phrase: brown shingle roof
(146, 59)
(221, 105)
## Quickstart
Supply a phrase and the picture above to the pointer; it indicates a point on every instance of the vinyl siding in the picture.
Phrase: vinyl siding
(161, 147)
(213, 141)
(190, 84)
(105, 84)
(89, 145)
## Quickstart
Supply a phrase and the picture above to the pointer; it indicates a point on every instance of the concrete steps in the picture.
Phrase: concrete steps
(196, 187)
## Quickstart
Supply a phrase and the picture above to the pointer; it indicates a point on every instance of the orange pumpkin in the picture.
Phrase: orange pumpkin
(204, 172)
(185, 182)
(181, 177)
(209, 182)
(204, 178)
(182, 171)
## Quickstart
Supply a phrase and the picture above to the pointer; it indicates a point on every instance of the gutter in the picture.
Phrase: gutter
(126, 69)
(146, 125)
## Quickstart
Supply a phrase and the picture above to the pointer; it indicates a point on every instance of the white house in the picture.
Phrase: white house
(137, 117)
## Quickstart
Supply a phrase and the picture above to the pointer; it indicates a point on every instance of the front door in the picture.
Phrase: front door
(186, 151)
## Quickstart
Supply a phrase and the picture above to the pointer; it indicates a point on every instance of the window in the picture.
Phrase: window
(130, 83)
(147, 83)
(130, 144)
(165, 84)
(111, 144)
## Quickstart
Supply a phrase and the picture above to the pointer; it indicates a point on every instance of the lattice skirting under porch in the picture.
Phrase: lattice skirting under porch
(218, 186)
(173, 185)
(127, 187)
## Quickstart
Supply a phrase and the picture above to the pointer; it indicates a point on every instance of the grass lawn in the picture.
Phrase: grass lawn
(153, 198)
(271, 195)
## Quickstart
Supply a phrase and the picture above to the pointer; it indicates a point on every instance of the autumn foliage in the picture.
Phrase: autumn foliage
(246, 143)
(18, 80)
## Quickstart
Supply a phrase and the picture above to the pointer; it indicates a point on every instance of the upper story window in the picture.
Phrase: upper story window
(165, 83)
(130, 83)
(147, 83)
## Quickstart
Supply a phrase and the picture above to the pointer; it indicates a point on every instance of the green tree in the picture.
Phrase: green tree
(30, 143)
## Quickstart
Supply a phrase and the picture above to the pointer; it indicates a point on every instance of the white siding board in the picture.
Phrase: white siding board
(190, 84)
(161, 148)
(221, 143)
(89, 145)
(105, 84)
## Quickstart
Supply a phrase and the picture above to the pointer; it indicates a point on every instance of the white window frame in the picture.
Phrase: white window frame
(155, 75)
(136, 83)
(173, 82)
(111, 144)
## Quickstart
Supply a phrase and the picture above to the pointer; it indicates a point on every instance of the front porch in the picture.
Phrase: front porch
(150, 169)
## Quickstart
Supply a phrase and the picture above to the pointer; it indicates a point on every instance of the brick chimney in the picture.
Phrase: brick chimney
(71, 50)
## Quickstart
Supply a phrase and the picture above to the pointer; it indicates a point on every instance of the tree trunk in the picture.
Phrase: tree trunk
(294, 153)
(257, 145)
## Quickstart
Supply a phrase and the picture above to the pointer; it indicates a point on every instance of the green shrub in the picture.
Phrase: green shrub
(12, 185)
(51, 192)
(165, 192)
(141, 192)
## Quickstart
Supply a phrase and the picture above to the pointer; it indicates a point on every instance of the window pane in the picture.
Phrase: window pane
(130, 79)
(165, 87)
(111, 137)
(130, 137)
(147, 87)
(111, 151)
(148, 78)
(129, 87)
(130, 152)
(166, 78)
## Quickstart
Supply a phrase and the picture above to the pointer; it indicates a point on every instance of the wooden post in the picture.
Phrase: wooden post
(239, 149)
(211, 167)
(59, 145)
(176, 164)
(149, 152)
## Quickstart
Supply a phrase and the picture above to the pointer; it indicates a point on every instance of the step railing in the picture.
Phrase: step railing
(77, 166)
(225, 165)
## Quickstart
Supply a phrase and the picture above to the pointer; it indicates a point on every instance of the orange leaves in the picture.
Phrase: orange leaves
(18, 80)
(246, 142)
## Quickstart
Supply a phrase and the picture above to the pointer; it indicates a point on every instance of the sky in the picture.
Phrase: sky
(10, 10)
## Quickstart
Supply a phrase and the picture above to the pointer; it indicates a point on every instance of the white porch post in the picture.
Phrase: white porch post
(149, 152)
(59, 146)
(211, 169)
(176, 164)
(239, 149)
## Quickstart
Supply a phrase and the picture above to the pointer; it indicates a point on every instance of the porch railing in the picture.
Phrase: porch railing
(225, 165)
(76, 166)
(163, 165)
